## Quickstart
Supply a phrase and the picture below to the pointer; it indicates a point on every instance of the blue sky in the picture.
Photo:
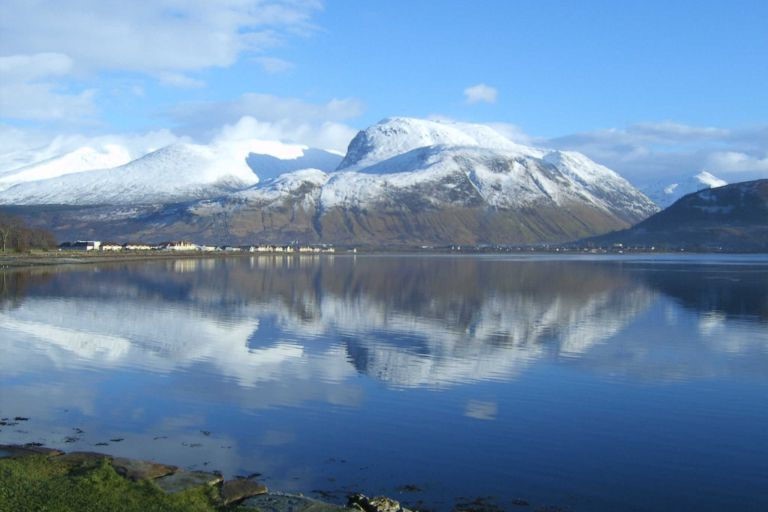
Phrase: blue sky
(559, 67)
(642, 86)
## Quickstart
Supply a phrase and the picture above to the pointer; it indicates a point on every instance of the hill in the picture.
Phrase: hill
(732, 218)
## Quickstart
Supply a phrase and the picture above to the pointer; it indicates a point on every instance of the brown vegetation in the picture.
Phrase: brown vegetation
(16, 236)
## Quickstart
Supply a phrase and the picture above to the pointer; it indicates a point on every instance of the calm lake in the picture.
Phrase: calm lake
(590, 384)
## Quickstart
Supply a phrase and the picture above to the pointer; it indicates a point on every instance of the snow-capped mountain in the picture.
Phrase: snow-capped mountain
(176, 172)
(666, 193)
(473, 162)
(85, 158)
(408, 181)
(179, 172)
(402, 181)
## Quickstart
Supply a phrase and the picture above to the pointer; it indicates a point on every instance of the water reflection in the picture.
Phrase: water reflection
(407, 321)
(519, 369)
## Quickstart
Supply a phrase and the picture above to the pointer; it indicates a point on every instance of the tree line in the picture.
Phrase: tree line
(16, 236)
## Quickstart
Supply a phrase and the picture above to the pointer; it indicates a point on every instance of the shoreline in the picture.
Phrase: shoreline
(44, 471)
(61, 258)
(42, 259)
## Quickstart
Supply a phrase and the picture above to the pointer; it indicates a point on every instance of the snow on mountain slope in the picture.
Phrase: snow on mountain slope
(85, 158)
(457, 169)
(177, 172)
(181, 171)
(666, 193)
(23, 157)
(284, 186)
(398, 135)
(438, 157)
(600, 185)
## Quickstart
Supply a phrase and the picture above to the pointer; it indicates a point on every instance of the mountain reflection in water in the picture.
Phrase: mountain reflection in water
(250, 334)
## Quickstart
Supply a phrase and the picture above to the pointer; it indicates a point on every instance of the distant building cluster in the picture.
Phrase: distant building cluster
(182, 245)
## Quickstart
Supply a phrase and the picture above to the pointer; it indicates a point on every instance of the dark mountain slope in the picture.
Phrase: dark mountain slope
(732, 218)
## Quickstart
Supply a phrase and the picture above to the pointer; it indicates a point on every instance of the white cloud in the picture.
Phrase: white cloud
(251, 116)
(48, 52)
(19, 148)
(667, 131)
(155, 37)
(325, 135)
(273, 65)
(30, 90)
(480, 93)
(734, 161)
(273, 117)
(22, 147)
(42, 102)
(21, 68)
(264, 107)
(513, 133)
(180, 80)
(650, 152)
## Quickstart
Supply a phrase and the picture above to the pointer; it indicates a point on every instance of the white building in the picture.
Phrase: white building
(178, 246)
(136, 247)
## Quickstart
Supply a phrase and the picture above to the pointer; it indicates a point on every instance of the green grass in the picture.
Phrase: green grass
(37, 483)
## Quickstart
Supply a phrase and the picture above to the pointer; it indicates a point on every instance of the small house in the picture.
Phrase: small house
(111, 246)
(180, 245)
(136, 247)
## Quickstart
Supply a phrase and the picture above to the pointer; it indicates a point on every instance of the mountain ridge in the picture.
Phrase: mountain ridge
(403, 181)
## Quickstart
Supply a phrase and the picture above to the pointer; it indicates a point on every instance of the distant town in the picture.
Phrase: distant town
(186, 246)
(296, 248)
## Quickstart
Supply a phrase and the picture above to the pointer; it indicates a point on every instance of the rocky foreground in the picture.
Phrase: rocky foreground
(38, 478)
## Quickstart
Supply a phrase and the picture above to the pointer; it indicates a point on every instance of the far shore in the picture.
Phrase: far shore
(42, 258)
(48, 258)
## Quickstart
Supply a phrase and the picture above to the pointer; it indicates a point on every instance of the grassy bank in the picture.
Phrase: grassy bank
(40, 483)
(40, 479)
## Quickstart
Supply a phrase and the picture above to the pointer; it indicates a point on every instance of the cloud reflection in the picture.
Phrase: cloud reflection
(409, 322)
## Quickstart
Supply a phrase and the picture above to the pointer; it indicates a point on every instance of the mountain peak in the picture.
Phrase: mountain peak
(398, 135)
(667, 192)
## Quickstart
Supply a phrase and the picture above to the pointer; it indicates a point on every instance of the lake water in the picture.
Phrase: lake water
(590, 384)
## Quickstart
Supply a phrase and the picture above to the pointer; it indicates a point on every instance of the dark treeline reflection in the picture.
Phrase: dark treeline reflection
(14, 285)
(740, 292)
(405, 320)
(453, 291)
(447, 288)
